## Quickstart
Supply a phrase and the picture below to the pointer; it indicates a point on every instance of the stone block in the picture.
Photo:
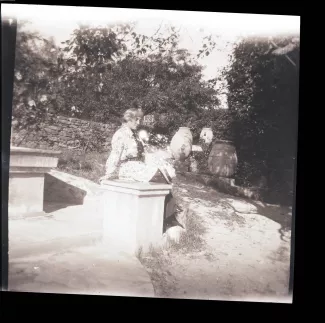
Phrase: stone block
(25, 192)
(133, 214)
(26, 178)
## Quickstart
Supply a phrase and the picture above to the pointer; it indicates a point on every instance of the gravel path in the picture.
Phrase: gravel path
(245, 253)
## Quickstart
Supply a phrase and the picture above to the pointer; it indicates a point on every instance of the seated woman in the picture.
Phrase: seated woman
(127, 159)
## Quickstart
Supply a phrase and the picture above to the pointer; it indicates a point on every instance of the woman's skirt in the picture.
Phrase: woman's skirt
(144, 172)
(137, 171)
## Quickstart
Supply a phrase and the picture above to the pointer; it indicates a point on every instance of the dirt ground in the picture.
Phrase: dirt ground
(241, 250)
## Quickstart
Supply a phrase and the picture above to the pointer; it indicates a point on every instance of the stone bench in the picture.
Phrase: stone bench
(27, 168)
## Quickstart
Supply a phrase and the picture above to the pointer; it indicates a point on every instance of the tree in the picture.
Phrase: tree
(35, 77)
(263, 101)
(107, 70)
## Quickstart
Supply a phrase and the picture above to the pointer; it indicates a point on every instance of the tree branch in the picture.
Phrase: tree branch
(157, 29)
(289, 59)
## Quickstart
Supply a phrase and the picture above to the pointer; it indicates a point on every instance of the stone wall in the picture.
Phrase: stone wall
(58, 132)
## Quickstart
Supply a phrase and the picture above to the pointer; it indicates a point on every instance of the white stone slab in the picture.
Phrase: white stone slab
(26, 178)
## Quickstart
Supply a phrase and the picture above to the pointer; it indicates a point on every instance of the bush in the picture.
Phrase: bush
(263, 101)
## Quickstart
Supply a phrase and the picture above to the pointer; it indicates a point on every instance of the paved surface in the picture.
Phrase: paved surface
(60, 252)
(84, 270)
(64, 228)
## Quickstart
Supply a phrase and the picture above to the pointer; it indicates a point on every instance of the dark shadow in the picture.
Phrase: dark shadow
(50, 207)
(276, 213)
(59, 194)
(283, 196)
(170, 206)
(171, 209)
(279, 214)
(19, 275)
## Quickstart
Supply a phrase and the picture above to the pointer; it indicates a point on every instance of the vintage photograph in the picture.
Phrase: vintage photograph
(153, 153)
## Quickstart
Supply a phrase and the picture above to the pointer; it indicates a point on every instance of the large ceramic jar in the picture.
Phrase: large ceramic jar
(223, 160)
(206, 135)
(181, 143)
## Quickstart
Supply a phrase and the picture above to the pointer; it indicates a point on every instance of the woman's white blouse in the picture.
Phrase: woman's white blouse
(124, 146)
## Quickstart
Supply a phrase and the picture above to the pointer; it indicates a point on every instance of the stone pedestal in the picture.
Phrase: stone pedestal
(26, 178)
(134, 214)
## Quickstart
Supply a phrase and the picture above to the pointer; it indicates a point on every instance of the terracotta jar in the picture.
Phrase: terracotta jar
(181, 143)
(222, 160)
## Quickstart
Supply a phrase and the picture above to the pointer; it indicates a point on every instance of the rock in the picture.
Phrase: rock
(65, 121)
(172, 235)
(53, 127)
(205, 179)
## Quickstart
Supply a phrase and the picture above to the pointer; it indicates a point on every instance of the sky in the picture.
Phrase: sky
(60, 21)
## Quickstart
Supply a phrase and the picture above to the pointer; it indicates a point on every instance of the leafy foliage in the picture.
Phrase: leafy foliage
(90, 166)
(100, 72)
(263, 102)
(132, 70)
(35, 77)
